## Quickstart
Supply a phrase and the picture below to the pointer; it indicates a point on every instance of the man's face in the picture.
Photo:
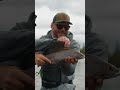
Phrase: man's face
(60, 29)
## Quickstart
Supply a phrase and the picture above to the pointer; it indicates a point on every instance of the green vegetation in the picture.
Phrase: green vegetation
(82, 50)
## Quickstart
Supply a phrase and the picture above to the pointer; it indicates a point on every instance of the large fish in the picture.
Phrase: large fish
(56, 52)
(60, 55)
(97, 67)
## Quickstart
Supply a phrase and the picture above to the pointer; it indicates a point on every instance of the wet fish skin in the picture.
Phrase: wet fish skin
(59, 56)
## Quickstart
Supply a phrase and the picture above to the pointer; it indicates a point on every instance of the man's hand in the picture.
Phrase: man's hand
(41, 59)
(65, 40)
(71, 60)
(92, 83)
(12, 78)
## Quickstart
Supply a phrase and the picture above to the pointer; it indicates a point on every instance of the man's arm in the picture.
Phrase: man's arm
(41, 59)
(42, 44)
(40, 49)
(68, 67)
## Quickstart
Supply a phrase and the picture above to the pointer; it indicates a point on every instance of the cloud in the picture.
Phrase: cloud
(74, 6)
(45, 16)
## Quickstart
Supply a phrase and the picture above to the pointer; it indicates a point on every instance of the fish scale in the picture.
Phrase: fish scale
(59, 56)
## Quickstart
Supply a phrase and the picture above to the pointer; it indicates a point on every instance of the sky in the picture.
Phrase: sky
(46, 9)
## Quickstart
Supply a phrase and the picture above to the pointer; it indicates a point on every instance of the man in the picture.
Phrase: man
(94, 46)
(57, 76)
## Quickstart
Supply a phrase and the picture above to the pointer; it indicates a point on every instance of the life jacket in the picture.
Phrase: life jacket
(51, 75)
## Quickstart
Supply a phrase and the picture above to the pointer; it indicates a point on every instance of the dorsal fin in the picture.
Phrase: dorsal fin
(55, 46)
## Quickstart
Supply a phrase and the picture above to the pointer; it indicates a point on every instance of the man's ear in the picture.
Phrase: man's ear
(52, 25)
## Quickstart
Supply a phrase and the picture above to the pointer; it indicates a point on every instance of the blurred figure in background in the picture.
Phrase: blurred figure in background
(17, 65)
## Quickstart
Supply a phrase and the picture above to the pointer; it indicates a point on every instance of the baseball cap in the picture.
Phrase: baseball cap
(61, 17)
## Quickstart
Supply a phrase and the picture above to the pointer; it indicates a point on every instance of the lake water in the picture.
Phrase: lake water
(79, 80)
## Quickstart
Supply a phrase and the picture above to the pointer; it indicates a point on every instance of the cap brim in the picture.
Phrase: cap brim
(70, 23)
(64, 21)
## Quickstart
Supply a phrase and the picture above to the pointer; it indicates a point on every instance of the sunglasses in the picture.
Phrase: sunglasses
(61, 26)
